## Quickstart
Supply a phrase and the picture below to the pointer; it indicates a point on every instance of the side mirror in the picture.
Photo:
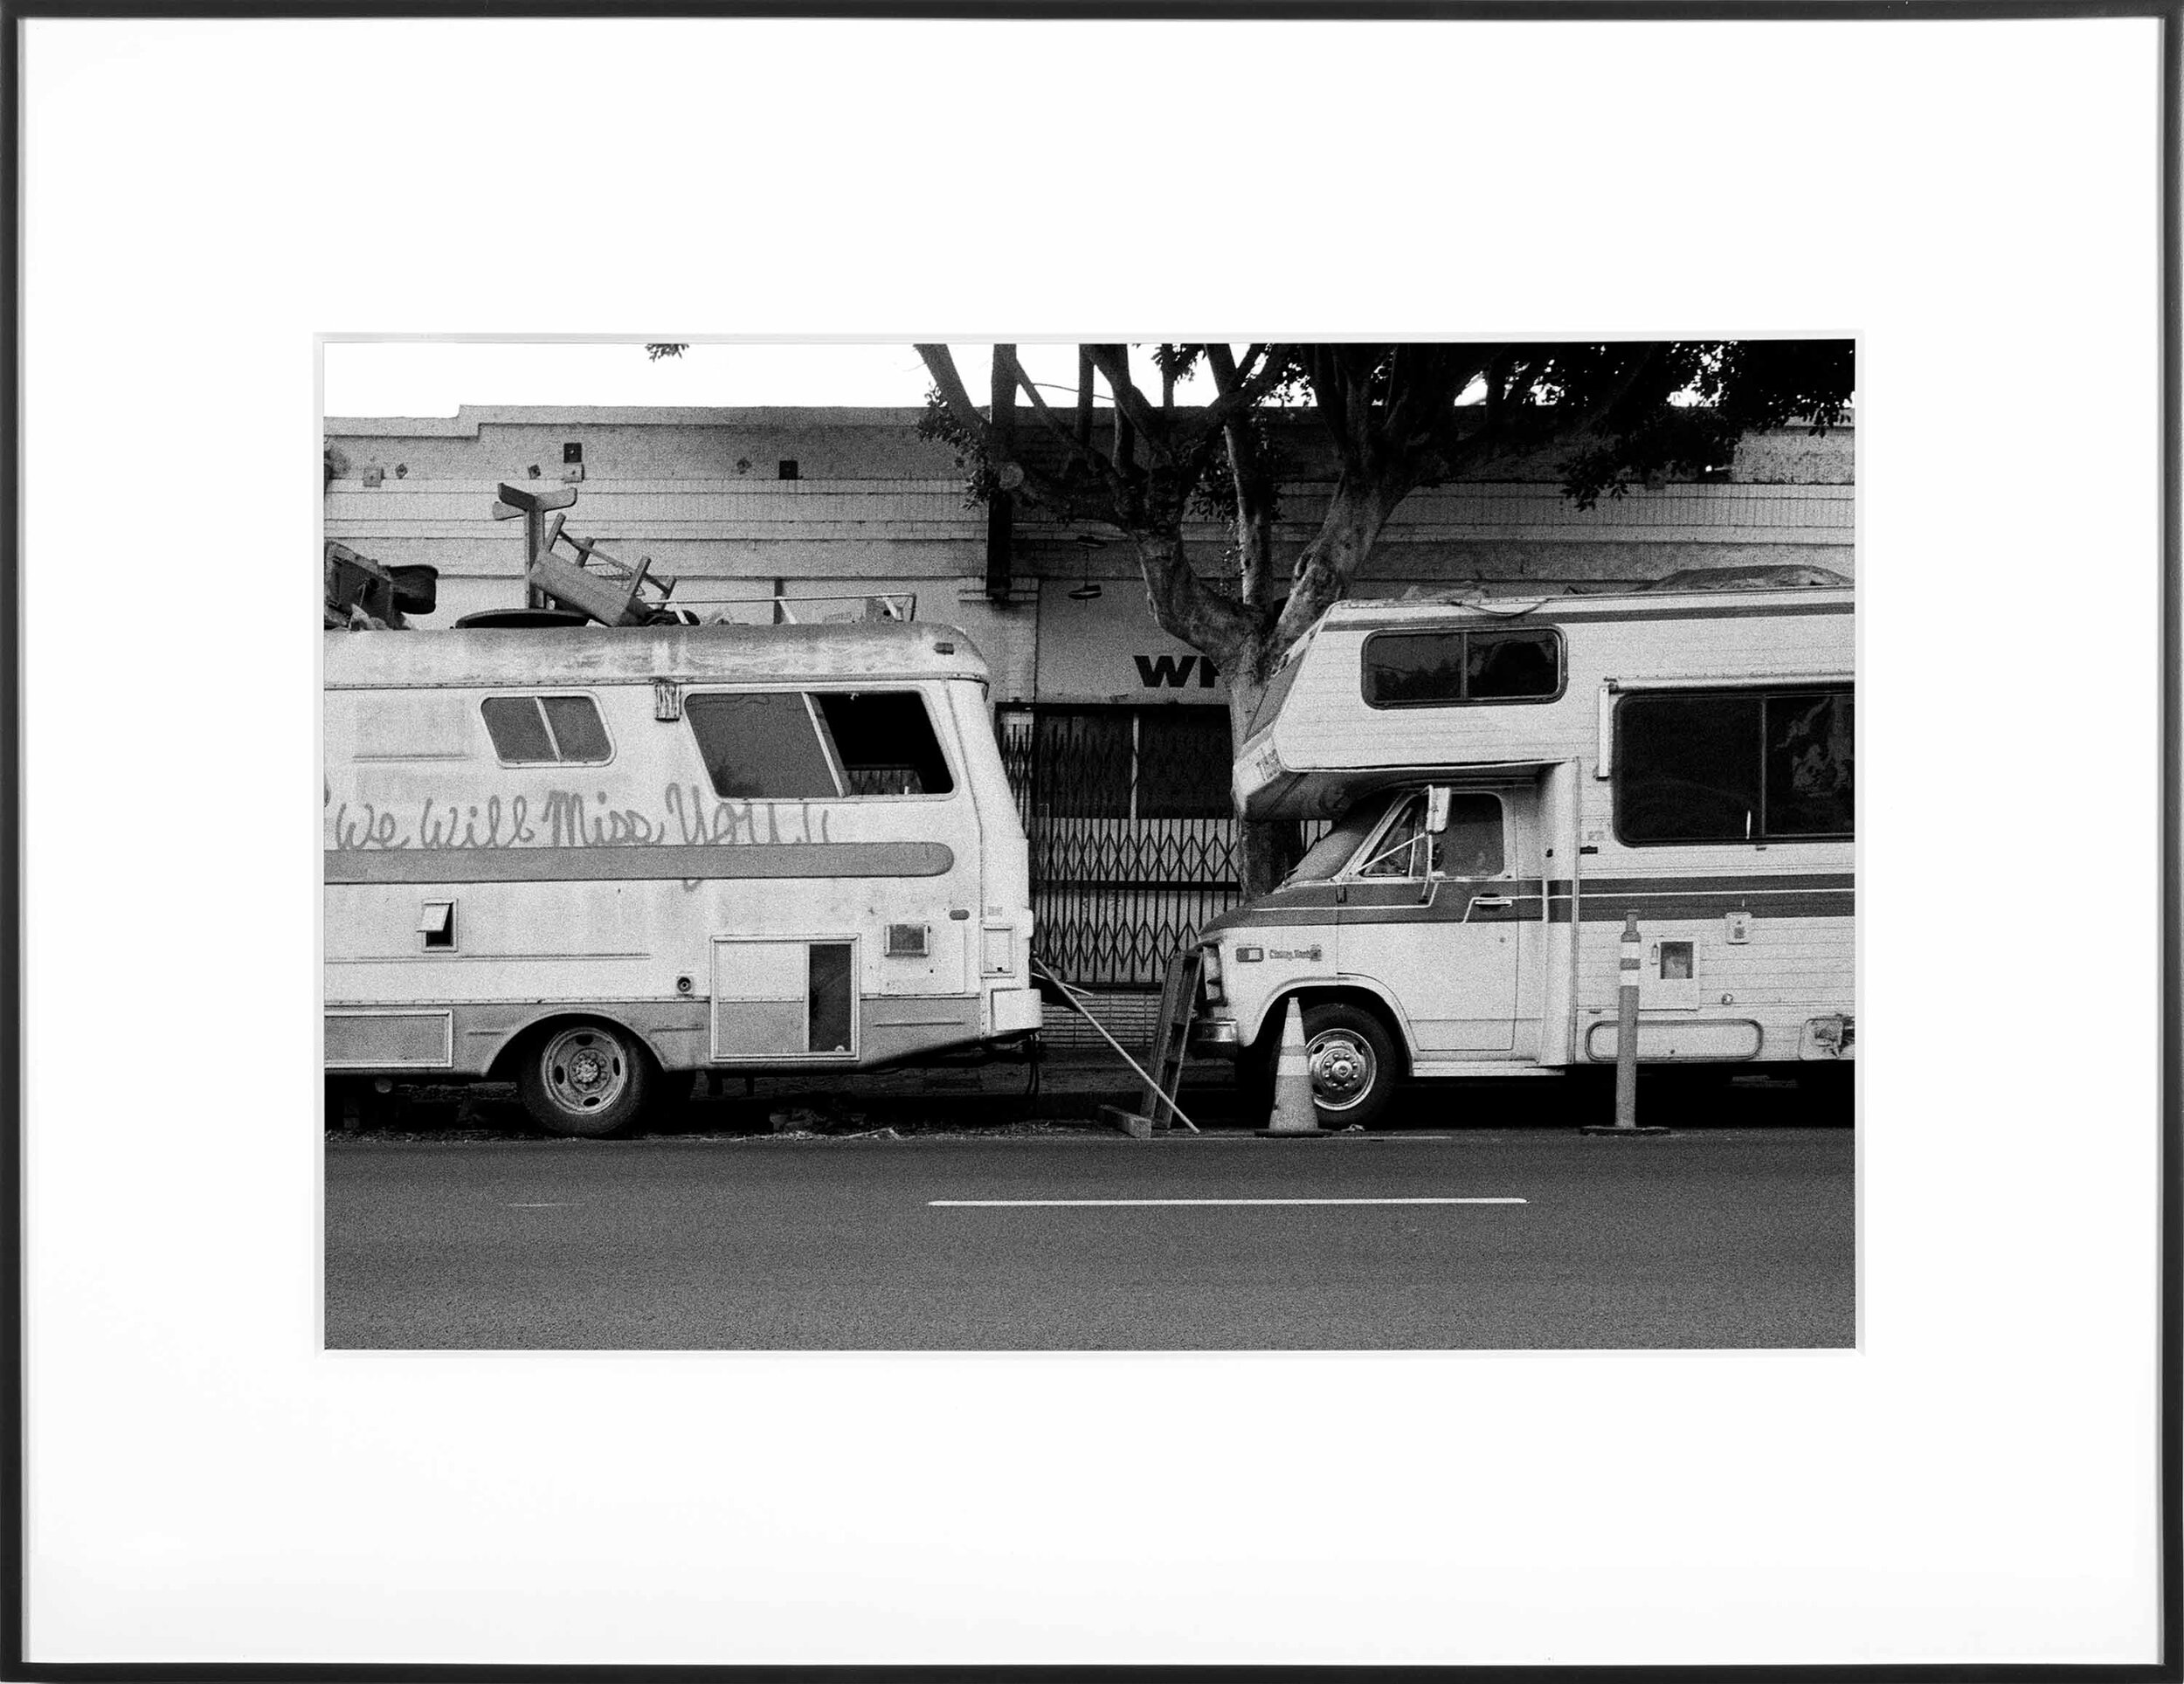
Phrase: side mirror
(1437, 809)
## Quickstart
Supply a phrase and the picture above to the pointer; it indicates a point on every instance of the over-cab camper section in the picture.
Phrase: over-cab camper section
(582, 857)
(1684, 758)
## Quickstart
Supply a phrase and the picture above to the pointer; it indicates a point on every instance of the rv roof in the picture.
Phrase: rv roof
(872, 651)
(1655, 604)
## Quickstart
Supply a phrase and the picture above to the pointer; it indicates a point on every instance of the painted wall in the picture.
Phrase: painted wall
(875, 508)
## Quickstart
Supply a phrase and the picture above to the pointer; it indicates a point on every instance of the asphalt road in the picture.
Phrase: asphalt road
(1723, 1238)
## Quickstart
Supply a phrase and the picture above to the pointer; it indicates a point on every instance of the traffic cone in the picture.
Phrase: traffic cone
(1294, 1112)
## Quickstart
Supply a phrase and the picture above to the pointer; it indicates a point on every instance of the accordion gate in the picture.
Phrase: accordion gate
(1115, 894)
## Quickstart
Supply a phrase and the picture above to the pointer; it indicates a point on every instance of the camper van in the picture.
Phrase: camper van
(581, 859)
(1506, 785)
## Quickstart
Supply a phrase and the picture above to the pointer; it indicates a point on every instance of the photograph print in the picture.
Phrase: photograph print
(1090, 846)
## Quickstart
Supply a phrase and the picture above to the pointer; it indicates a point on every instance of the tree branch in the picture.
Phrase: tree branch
(1073, 448)
(940, 362)
(1104, 502)
(1114, 364)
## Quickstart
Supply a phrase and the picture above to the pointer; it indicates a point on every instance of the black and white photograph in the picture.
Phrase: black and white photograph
(1309, 838)
(988, 836)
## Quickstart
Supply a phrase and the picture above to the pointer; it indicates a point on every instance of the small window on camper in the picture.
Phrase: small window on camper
(1733, 766)
(546, 730)
(885, 743)
(761, 746)
(1426, 669)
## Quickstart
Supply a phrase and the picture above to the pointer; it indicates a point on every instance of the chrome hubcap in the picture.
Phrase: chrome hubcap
(1342, 1067)
(585, 1070)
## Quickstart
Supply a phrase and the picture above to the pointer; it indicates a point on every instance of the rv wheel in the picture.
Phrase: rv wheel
(1351, 1057)
(585, 1079)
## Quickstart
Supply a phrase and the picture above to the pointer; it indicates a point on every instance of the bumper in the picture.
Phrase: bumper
(1015, 1009)
(1215, 1038)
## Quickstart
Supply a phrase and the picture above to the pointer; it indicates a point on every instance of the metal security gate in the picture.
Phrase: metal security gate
(1133, 845)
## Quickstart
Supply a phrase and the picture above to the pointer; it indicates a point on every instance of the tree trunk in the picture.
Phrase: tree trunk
(1356, 512)
(1268, 846)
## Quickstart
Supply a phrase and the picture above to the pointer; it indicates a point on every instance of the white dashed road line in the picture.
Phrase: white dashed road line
(1048, 1204)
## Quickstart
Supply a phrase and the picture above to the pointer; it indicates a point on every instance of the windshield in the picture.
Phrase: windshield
(1331, 852)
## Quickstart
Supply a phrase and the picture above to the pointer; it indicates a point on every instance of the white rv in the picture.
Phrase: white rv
(1509, 782)
(582, 857)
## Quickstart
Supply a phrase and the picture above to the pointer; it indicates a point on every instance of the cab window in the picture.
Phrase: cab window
(1470, 848)
(1395, 854)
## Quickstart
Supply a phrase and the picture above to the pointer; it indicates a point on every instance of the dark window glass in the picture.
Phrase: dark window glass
(886, 743)
(829, 997)
(575, 723)
(1501, 665)
(1471, 846)
(1183, 763)
(1734, 766)
(544, 730)
(1687, 767)
(1082, 760)
(518, 730)
(1808, 765)
(1410, 668)
(761, 747)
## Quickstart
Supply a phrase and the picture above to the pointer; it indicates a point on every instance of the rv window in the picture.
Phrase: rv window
(762, 746)
(1505, 665)
(886, 743)
(575, 723)
(546, 730)
(1413, 669)
(1808, 786)
(1733, 766)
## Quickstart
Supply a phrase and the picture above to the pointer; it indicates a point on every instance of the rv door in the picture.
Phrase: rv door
(1432, 915)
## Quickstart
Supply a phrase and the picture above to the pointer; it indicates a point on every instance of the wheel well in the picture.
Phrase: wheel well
(1363, 999)
(502, 1067)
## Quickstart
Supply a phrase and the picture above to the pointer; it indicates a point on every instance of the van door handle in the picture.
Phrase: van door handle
(1490, 901)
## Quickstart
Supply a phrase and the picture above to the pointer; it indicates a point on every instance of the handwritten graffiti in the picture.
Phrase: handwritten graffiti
(569, 818)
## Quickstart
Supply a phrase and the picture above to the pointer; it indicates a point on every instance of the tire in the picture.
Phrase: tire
(1255, 1075)
(589, 1079)
(1353, 1063)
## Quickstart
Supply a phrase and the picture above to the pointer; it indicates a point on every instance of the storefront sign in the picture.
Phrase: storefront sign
(1107, 649)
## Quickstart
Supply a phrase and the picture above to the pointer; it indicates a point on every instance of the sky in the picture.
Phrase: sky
(420, 377)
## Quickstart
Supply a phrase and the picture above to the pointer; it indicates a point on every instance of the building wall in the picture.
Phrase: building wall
(875, 508)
